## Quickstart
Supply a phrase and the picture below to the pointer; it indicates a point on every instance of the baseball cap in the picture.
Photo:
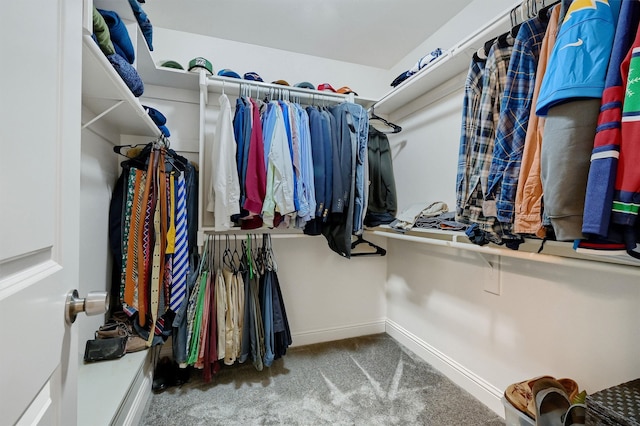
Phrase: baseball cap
(281, 82)
(226, 72)
(326, 86)
(306, 85)
(171, 64)
(201, 62)
(253, 76)
(345, 90)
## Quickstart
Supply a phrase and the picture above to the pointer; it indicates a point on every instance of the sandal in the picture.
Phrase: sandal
(552, 402)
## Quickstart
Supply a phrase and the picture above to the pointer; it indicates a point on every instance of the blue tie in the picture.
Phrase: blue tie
(181, 254)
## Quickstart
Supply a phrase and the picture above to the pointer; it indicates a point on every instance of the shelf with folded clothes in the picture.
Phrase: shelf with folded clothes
(107, 96)
(442, 76)
(554, 252)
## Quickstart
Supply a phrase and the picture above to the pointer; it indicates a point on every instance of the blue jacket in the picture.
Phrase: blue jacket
(581, 54)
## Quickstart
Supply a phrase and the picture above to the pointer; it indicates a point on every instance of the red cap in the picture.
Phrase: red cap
(326, 86)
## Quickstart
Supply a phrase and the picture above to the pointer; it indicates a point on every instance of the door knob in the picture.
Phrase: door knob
(96, 303)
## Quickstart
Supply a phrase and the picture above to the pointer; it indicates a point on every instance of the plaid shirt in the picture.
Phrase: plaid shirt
(493, 83)
(513, 121)
(472, 94)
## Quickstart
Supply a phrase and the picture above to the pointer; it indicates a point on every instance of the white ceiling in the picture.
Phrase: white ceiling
(377, 33)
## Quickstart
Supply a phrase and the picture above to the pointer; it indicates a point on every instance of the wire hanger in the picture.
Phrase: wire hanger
(395, 128)
(379, 251)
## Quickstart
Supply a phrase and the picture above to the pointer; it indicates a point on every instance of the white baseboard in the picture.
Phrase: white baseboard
(485, 392)
(337, 333)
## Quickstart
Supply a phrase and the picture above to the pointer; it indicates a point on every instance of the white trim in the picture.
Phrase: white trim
(135, 403)
(338, 333)
(485, 392)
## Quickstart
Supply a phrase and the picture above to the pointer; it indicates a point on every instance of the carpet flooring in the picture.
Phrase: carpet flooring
(371, 380)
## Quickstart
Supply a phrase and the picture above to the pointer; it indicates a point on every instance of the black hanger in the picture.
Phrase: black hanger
(379, 250)
(118, 148)
(543, 14)
(395, 128)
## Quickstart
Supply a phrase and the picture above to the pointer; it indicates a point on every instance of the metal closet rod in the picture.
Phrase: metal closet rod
(235, 85)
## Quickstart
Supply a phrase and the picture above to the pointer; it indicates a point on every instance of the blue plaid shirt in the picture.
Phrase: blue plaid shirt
(514, 118)
(493, 83)
(472, 94)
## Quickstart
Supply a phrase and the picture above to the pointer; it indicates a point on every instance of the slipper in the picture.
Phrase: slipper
(552, 402)
(521, 396)
(576, 415)
(571, 387)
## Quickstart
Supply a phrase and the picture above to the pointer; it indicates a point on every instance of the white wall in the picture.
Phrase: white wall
(271, 64)
(473, 17)
(99, 171)
(564, 321)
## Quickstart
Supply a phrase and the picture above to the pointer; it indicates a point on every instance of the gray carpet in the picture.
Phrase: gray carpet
(369, 380)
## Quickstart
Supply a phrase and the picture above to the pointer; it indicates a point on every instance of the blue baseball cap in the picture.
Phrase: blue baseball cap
(306, 85)
(253, 76)
(225, 72)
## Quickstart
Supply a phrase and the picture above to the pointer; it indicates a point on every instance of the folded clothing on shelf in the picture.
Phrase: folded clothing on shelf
(422, 62)
(143, 22)
(119, 35)
(128, 74)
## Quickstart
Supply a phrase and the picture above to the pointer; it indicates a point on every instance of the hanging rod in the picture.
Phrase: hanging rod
(235, 85)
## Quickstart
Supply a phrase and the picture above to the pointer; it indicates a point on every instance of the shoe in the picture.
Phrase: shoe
(576, 415)
(163, 376)
(520, 395)
(116, 328)
(571, 387)
(551, 401)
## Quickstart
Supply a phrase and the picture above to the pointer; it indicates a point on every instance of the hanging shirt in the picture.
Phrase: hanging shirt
(470, 107)
(280, 182)
(302, 206)
(256, 173)
(494, 81)
(528, 203)
(306, 165)
(224, 187)
(626, 204)
(328, 130)
(514, 119)
(606, 149)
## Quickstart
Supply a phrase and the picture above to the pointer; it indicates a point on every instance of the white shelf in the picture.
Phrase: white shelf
(437, 76)
(161, 76)
(103, 387)
(554, 252)
(103, 89)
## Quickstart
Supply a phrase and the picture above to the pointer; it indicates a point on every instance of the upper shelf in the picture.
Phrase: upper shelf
(407, 97)
(106, 95)
(552, 252)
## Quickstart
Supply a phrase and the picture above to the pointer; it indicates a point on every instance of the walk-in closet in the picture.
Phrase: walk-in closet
(247, 182)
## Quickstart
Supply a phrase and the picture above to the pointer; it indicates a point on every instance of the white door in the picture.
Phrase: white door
(40, 83)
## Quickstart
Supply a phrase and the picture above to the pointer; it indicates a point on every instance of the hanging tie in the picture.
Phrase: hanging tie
(181, 253)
